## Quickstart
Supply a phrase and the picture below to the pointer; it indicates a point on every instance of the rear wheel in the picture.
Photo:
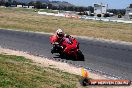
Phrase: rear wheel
(63, 55)
(80, 55)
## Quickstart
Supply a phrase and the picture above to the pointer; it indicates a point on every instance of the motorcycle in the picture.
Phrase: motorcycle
(67, 48)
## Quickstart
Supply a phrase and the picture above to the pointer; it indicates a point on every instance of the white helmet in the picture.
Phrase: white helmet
(59, 33)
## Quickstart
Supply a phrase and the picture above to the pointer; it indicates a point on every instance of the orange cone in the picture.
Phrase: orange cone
(84, 73)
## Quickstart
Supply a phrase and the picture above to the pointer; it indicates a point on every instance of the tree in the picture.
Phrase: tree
(10, 1)
(31, 3)
(117, 11)
(44, 6)
(71, 8)
(2, 2)
(15, 2)
(38, 5)
(7, 4)
(49, 6)
(81, 9)
(90, 8)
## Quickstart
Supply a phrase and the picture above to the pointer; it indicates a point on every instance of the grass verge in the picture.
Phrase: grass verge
(19, 72)
(29, 20)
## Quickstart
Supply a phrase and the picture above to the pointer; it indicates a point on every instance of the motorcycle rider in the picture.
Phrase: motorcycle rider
(65, 45)
(59, 37)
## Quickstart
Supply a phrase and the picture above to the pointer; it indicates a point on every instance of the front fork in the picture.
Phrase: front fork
(56, 49)
(52, 50)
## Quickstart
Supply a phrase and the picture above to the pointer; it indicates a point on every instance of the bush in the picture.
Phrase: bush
(98, 15)
(119, 16)
(91, 14)
(106, 15)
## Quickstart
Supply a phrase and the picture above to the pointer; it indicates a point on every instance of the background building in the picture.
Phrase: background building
(129, 12)
(100, 9)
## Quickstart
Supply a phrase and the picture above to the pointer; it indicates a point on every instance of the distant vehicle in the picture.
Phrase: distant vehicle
(119, 16)
(106, 15)
(92, 14)
(130, 15)
(98, 15)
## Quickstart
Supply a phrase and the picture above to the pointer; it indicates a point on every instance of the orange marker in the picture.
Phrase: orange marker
(84, 73)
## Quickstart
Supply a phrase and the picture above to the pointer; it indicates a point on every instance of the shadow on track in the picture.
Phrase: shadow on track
(68, 58)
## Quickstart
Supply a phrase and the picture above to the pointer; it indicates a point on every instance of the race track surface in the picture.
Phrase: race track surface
(115, 59)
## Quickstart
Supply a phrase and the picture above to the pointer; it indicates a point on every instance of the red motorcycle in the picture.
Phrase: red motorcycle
(68, 47)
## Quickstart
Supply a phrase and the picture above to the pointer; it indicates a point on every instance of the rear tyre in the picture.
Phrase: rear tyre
(63, 55)
(80, 55)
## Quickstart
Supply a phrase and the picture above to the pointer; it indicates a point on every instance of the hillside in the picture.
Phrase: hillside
(54, 3)
(63, 3)
(32, 0)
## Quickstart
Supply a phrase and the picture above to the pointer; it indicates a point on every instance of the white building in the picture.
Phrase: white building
(19, 6)
(25, 6)
(100, 9)
(30, 7)
(129, 13)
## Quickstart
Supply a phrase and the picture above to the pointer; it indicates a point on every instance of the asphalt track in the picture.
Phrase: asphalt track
(112, 58)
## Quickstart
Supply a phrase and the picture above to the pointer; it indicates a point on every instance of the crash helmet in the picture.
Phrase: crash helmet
(59, 33)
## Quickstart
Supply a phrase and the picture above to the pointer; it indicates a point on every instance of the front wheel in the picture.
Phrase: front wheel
(80, 55)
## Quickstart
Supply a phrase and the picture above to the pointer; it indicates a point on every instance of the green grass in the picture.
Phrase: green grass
(20, 9)
(29, 20)
(19, 72)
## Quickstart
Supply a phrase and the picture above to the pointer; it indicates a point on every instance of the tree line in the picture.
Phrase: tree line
(117, 11)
